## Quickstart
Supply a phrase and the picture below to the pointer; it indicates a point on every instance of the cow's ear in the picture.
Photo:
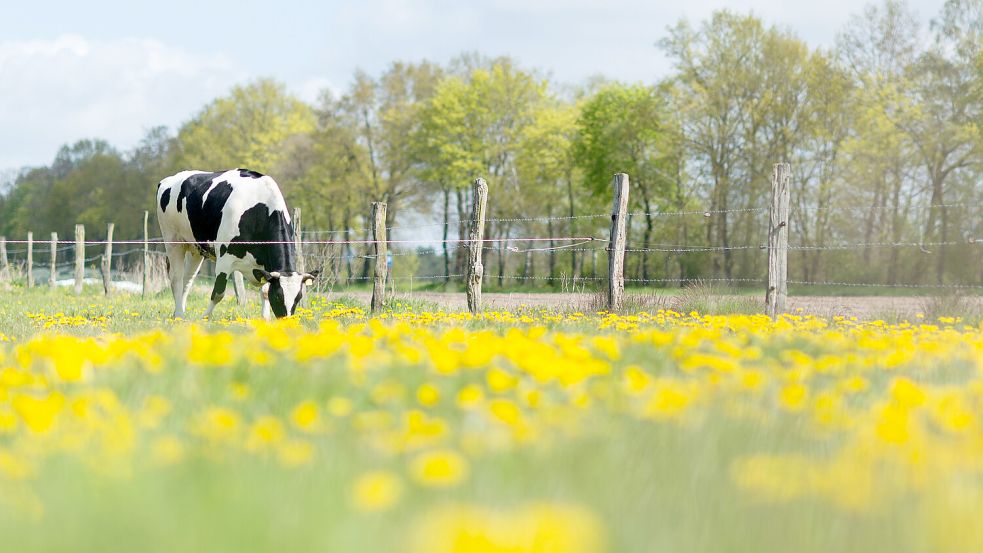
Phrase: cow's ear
(262, 276)
(309, 277)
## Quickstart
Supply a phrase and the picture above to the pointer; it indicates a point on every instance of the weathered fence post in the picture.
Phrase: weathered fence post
(476, 244)
(777, 291)
(299, 247)
(79, 257)
(379, 240)
(4, 262)
(146, 253)
(616, 246)
(298, 242)
(30, 260)
(107, 260)
(53, 273)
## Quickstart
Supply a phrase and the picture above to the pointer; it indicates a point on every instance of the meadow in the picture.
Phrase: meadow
(533, 430)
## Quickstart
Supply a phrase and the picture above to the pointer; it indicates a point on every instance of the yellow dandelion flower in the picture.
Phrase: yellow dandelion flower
(793, 396)
(441, 468)
(376, 491)
(340, 406)
(470, 397)
(38, 413)
(167, 450)
(427, 395)
(295, 453)
(305, 416)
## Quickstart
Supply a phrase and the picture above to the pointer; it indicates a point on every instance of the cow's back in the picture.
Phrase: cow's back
(207, 207)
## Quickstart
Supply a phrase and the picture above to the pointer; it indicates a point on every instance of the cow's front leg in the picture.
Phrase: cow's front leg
(265, 297)
(218, 292)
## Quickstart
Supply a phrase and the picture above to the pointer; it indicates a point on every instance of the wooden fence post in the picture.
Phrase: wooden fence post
(4, 262)
(616, 246)
(298, 242)
(107, 261)
(299, 248)
(379, 240)
(30, 260)
(79, 257)
(146, 253)
(53, 273)
(476, 244)
(777, 286)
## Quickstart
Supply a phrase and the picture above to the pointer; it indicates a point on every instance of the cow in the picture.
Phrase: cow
(221, 216)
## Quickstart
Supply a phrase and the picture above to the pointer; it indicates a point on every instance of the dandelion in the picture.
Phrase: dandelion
(376, 491)
(793, 396)
(441, 468)
(305, 416)
(427, 395)
(534, 528)
(38, 413)
(167, 450)
(295, 453)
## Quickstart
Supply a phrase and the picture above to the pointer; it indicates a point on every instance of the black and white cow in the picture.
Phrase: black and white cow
(220, 216)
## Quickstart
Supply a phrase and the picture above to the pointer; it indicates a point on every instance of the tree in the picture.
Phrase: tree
(620, 130)
(472, 127)
(248, 128)
(739, 89)
(545, 165)
(942, 120)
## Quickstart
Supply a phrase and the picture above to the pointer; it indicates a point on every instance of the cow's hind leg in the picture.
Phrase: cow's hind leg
(175, 271)
(192, 263)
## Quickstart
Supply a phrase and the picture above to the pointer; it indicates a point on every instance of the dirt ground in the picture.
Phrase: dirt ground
(863, 307)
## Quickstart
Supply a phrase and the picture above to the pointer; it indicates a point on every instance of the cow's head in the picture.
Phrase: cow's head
(283, 290)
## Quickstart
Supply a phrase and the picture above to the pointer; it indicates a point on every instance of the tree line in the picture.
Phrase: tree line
(884, 133)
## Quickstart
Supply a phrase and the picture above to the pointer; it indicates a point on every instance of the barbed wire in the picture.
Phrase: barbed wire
(874, 245)
(329, 242)
(671, 248)
(896, 285)
(641, 280)
(885, 207)
(513, 249)
(703, 212)
(391, 277)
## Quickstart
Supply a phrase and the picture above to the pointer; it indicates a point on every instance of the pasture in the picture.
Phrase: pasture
(529, 429)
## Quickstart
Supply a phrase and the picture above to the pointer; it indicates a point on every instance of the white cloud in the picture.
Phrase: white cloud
(310, 89)
(60, 90)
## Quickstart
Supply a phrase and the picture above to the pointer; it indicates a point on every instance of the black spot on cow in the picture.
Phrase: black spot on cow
(258, 224)
(219, 290)
(277, 302)
(300, 296)
(250, 174)
(165, 198)
(204, 212)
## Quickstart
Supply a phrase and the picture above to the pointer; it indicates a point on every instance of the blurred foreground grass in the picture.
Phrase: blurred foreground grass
(533, 431)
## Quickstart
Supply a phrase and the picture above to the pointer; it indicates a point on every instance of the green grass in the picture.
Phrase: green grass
(656, 485)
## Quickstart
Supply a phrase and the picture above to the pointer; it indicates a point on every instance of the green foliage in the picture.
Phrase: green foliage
(884, 123)
(248, 128)
(90, 183)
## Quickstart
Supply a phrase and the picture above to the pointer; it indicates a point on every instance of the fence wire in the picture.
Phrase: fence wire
(346, 260)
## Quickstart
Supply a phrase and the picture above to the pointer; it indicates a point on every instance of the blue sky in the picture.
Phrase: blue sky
(112, 69)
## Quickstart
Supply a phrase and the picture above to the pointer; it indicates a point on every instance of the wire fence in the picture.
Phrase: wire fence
(344, 254)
